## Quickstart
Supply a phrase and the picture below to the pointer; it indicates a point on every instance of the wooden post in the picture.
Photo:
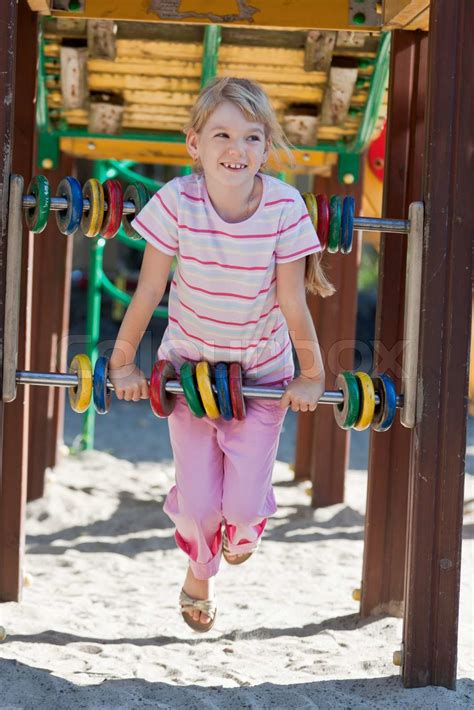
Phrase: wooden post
(435, 503)
(15, 415)
(322, 448)
(387, 487)
(51, 296)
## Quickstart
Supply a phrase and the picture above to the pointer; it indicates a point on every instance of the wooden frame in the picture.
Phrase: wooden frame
(436, 460)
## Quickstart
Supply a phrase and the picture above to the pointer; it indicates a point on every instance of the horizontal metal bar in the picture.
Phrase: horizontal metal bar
(368, 224)
(53, 379)
(379, 224)
(60, 203)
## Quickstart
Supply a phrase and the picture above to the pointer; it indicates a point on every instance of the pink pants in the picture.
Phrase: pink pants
(223, 474)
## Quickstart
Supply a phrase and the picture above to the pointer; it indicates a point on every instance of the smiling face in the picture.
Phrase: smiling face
(231, 148)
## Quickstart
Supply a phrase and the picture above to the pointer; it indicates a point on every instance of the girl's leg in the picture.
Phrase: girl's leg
(194, 503)
(250, 448)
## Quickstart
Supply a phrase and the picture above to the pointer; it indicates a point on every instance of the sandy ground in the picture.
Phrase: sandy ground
(99, 626)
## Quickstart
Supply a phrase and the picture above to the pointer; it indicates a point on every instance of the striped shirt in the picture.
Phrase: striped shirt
(222, 303)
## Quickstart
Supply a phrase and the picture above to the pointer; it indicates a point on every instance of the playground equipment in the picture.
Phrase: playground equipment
(107, 214)
(359, 400)
(415, 477)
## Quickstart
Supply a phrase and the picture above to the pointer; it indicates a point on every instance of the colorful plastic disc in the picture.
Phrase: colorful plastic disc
(92, 219)
(113, 195)
(37, 217)
(191, 393)
(385, 411)
(323, 219)
(138, 194)
(223, 392)
(162, 402)
(346, 414)
(80, 395)
(312, 207)
(335, 206)
(348, 208)
(68, 220)
(235, 386)
(203, 377)
(101, 393)
(367, 401)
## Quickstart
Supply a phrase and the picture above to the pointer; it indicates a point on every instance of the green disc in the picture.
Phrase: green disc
(335, 223)
(188, 383)
(37, 217)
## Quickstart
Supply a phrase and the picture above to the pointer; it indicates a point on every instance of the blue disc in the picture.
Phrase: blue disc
(101, 393)
(223, 392)
(348, 209)
(385, 411)
(68, 220)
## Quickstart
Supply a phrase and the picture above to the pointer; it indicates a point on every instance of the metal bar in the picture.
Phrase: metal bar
(55, 379)
(94, 302)
(376, 224)
(13, 288)
(210, 53)
(368, 224)
(374, 99)
(60, 203)
(412, 314)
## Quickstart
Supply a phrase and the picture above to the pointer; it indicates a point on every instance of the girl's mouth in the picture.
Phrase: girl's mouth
(234, 166)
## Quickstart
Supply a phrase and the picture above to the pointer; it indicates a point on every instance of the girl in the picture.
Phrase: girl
(245, 249)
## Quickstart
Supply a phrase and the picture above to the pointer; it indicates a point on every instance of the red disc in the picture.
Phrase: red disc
(235, 387)
(162, 402)
(323, 219)
(113, 196)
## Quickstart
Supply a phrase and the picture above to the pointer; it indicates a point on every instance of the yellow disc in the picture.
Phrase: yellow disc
(80, 395)
(92, 219)
(367, 401)
(203, 377)
(312, 207)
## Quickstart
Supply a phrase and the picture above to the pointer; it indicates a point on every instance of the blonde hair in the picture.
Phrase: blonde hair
(255, 104)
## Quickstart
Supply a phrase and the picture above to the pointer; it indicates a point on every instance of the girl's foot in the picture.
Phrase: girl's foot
(230, 558)
(198, 589)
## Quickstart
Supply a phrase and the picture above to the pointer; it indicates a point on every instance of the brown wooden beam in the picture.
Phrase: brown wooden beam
(387, 486)
(435, 503)
(322, 448)
(15, 414)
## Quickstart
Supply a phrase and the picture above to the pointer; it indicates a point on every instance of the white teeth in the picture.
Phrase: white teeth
(233, 165)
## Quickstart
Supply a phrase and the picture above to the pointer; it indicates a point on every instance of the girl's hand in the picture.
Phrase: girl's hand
(129, 382)
(302, 394)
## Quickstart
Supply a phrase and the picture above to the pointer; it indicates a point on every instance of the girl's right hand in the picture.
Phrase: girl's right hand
(129, 382)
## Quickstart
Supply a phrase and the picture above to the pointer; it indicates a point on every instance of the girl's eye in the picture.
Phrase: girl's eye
(257, 138)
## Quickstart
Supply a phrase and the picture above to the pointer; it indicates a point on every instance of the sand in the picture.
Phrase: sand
(99, 626)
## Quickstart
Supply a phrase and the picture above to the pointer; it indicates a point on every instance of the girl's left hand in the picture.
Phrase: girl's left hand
(302, 394)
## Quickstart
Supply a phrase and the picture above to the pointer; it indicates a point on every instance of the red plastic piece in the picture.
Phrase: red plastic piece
(113, 196)
(376, 155)
(162, 402)
(323, 219)
(235, 387)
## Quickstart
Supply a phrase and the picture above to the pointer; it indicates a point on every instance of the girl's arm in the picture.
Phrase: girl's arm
(128, 380)
(303, 392)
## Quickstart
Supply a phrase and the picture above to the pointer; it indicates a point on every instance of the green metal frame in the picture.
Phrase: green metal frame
(48, 139)
(98, 282)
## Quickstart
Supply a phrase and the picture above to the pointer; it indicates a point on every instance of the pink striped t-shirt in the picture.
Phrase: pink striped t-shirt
(222, 303)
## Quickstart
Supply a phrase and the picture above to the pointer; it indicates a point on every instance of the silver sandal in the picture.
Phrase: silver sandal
(226, 552)
(206, 606)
